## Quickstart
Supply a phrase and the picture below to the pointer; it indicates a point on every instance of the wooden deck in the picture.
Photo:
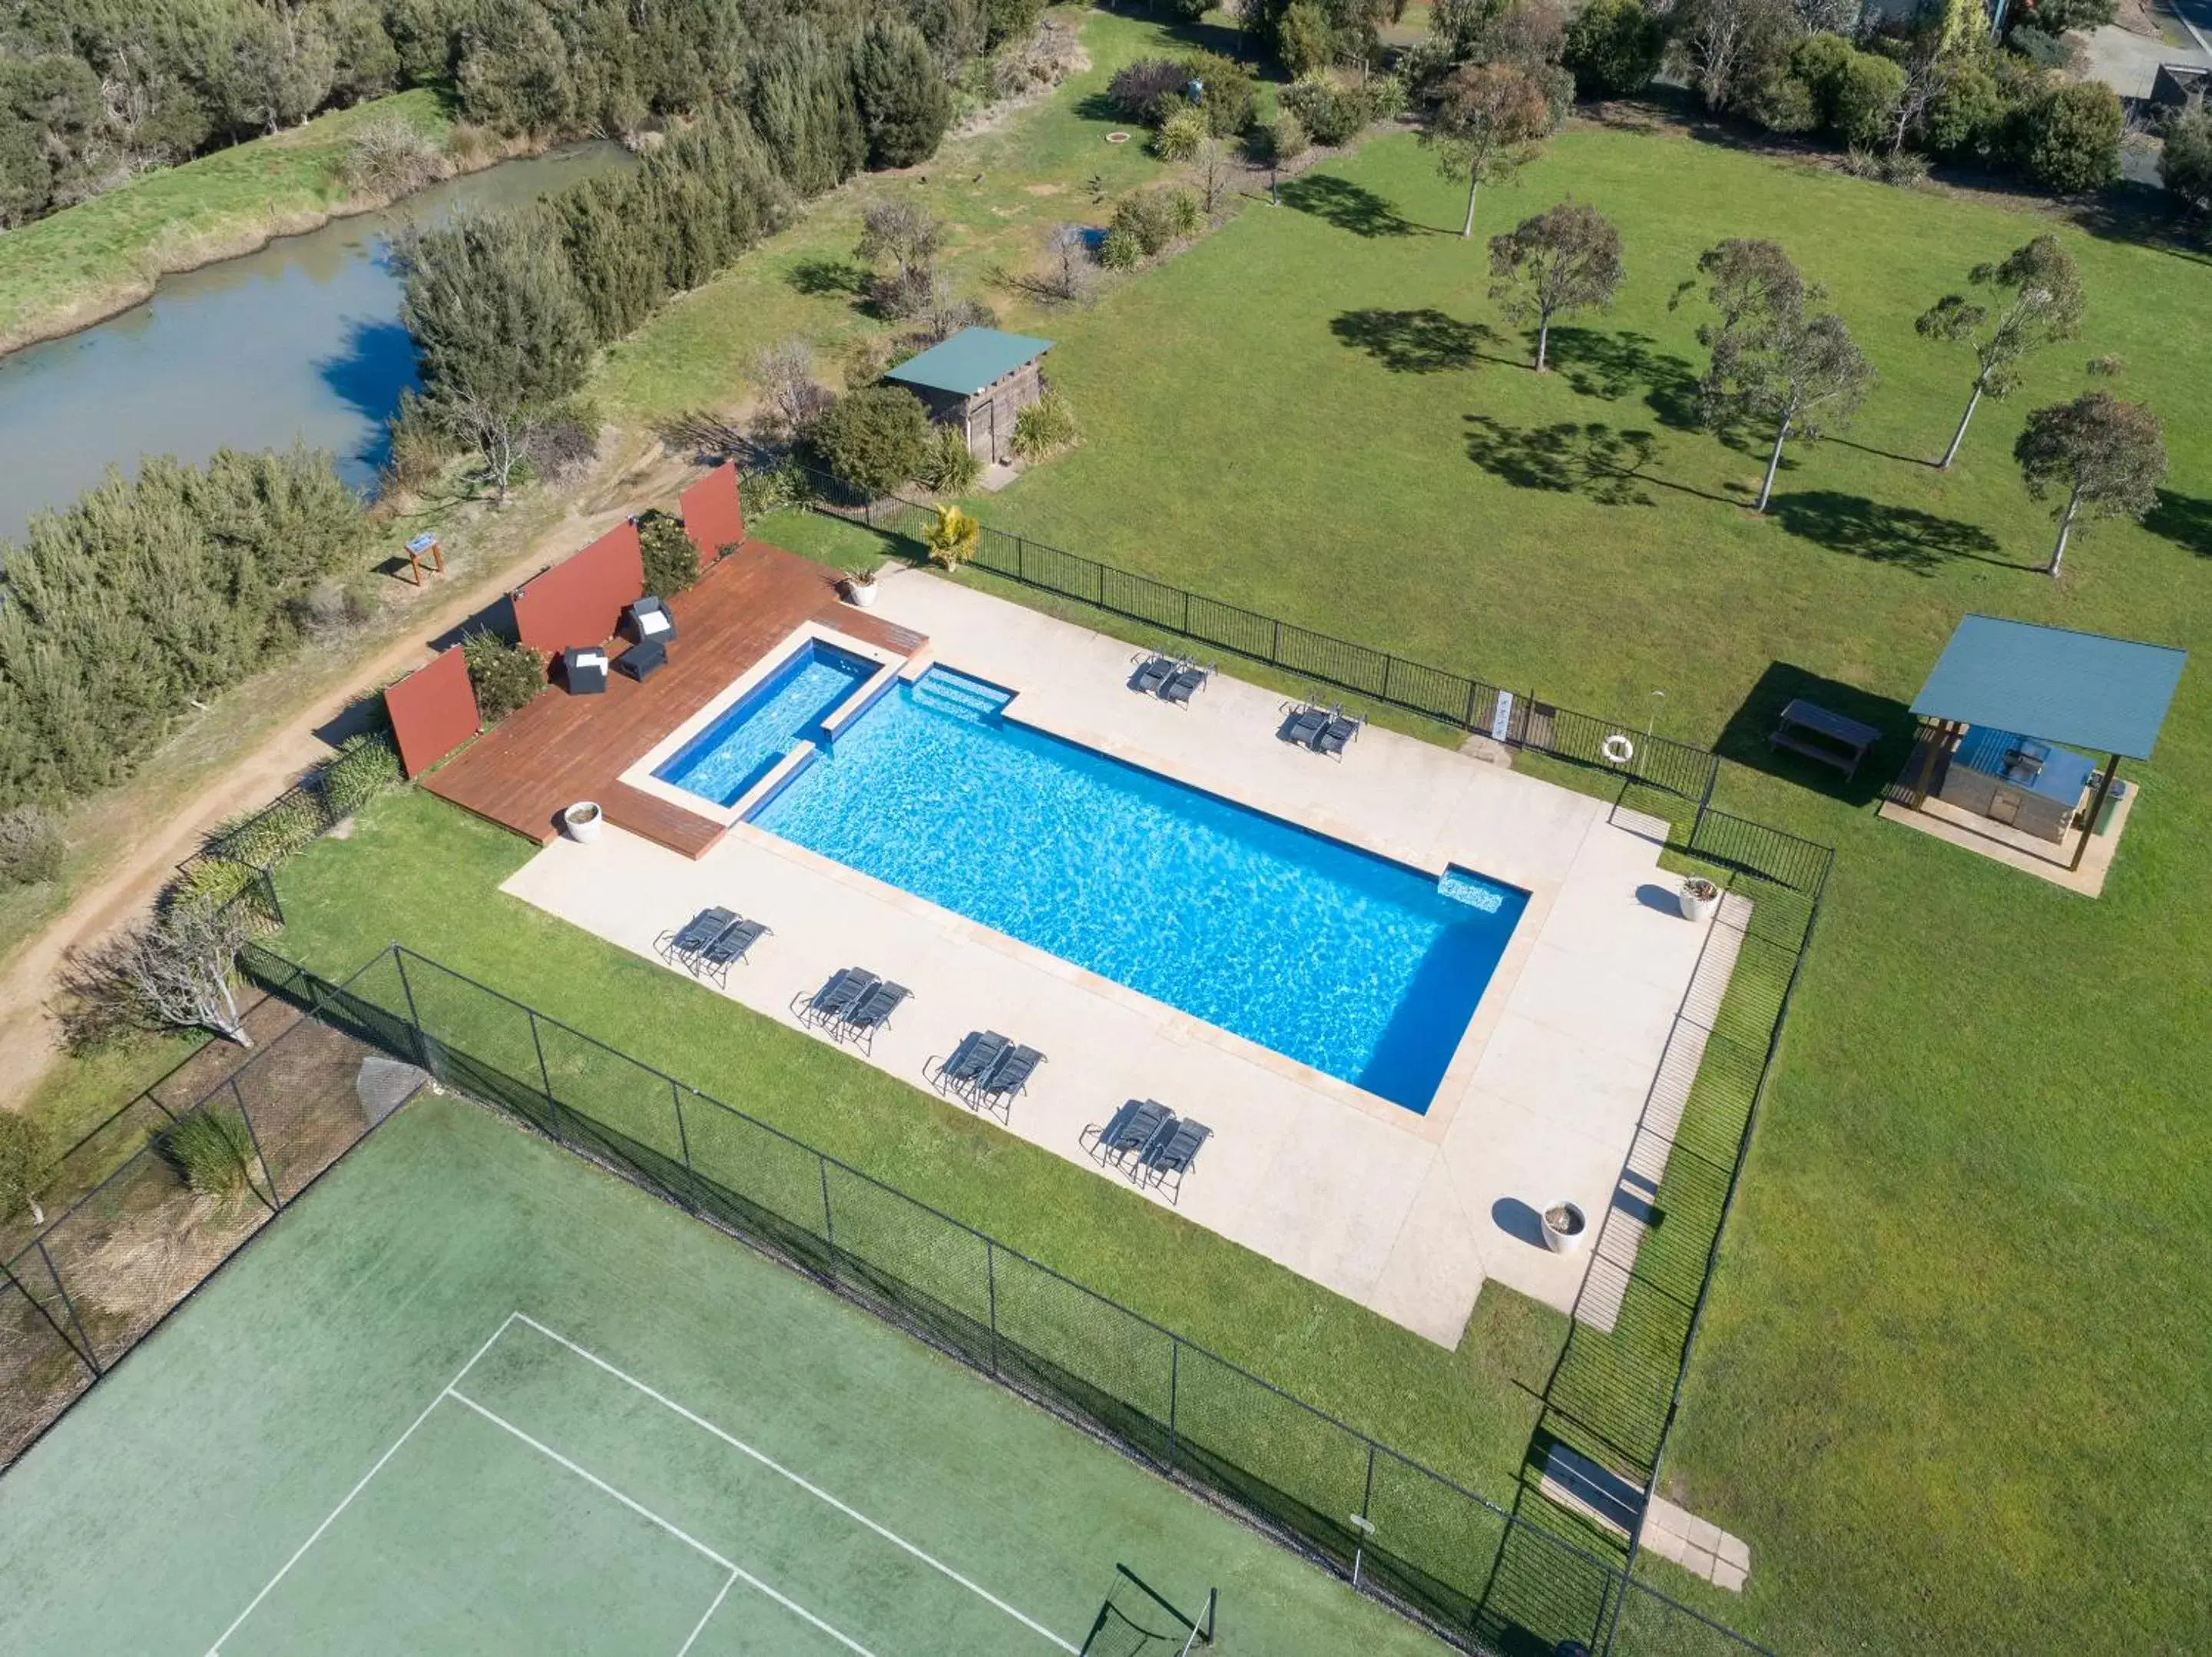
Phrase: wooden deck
(563, 749)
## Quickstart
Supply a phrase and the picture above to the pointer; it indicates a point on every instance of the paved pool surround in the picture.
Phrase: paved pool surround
(1564, 1087)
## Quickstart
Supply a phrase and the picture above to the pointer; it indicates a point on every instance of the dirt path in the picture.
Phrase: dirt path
(129, 885)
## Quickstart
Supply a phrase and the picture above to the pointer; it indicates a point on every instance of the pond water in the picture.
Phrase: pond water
(301, 340)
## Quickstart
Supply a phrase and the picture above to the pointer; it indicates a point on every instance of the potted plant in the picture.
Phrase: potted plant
(861, 588)
(582, 820)
(1565, 1229)
(1700, 897)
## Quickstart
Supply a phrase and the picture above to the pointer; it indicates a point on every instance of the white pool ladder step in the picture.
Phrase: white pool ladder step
(948, 692)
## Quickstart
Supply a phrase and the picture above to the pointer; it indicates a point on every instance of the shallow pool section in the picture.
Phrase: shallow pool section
(1361, 967)
(747, 741)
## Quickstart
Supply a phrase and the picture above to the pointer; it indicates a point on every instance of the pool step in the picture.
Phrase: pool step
(945, 691)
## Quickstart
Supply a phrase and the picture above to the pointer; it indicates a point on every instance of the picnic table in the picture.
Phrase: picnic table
(1822, 734)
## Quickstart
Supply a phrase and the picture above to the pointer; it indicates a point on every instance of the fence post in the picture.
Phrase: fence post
(414, 1019)
(1175, 1389)
(683, 1138)
(991, 1279)
(269, 890)
(829, 1228)
(545, 1075)
(274, 1202)
(1275, 648)
(69, 1306)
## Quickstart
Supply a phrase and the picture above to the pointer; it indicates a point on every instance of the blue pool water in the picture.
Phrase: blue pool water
(1359, 967)
(744, 743)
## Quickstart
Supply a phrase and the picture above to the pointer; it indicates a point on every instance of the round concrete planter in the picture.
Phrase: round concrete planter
(861, 595)
(1565, 1229)
(583, 821)
(1700, 897)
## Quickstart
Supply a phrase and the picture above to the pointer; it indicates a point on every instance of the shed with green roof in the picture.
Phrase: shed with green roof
(979, 380)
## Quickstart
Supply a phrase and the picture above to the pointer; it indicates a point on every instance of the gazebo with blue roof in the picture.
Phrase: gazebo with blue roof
(2009, 703)
(981, 380)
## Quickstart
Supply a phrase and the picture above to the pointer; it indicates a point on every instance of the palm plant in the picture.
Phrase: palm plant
(953, 537)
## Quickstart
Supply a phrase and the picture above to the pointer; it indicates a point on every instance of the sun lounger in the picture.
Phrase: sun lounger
(694, 935)
(970, 1061)
(1305, 725)
(1170, 1154)
(1151, 673)
(873, 1010)
(728, 948)
(1132, 1128)
(1185, 683)
(836, 998)
(1340, 729)
(1009, 1076)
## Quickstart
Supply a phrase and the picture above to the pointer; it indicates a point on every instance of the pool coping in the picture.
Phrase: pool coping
(639, 774)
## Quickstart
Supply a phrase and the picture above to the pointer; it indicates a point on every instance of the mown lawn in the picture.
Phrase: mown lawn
(1953, 1382)
(119, 241)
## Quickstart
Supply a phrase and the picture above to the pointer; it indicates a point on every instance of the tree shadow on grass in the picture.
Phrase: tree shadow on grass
(1588, 458)
(1348, 206)
(1423, 341)
(1903, 535)
(1613, 366)
(2184, 519)
(824, 277)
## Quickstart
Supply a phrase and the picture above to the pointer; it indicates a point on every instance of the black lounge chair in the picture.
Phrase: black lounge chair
(1170, 1154)
(728, 948)
(694, 935)
(1152, 672)
(970, 1061)
(1341, 729)
(873, 1010)
(1185, 683)
(1304, 724)
(1008, 1076)
(1132, 1128)
(834, 999)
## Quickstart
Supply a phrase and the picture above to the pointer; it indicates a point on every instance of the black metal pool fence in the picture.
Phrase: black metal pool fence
(1517, 718)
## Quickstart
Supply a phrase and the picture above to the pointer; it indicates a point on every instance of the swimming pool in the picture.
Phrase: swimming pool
(745, 742)
(1361, 967)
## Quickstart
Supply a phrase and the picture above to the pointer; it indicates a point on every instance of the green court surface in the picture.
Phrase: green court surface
(473, 1395)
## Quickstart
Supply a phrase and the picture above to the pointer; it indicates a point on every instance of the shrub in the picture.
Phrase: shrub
(31, 846)
(1120, 250)
(390, 156)
(210, 1150)
(1863, 98)
(1613, 48)
(2185, 168)
(1148, 89)
(903, 99)
(1829, 84)
(505, 677)
(365, 765)
(24, 1147)
(953, 537)
(1155, 218)
(777, 487)
(1968, 118)
(2044, 51)
(1231, 95)
(1179, 136)
(874, 440)
(1010, 20)
(952, 467)
(1903, 168)
(1279, 141)
(671, 563)
(1045, 428)
(1303, 39)
(1335, 113)
(2071, 137)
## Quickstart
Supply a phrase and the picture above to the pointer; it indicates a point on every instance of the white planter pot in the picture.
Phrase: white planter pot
(1566, 1228)
(861, 594)
(583, 821)
(1699, 899)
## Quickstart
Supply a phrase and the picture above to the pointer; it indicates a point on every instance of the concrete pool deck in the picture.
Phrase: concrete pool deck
(1560, 1091)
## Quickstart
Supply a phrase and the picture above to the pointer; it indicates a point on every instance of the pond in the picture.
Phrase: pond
(302, 340)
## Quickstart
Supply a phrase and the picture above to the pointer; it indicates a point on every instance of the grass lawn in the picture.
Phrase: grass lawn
(1954, 1373)
(69, 268)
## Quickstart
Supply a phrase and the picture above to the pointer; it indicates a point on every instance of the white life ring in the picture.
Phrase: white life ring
(1617, 748)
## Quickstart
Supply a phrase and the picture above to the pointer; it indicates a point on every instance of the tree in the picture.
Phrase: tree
(794, 398)
(904, 101)
(1487, 124)
(2073, 137)
(875, 439)
(175, 969)
(1927, 70)
(1613, 48)
(671, 563)
(1553, 265)
(1303, 39)
(504, 677)
(952, 536)
(1776, 357)
(2185, 167)
(1213, 171)
(2039, 302)
(1720, 44)
(23, 1150)
(2100, 457)
(501, 335)
(909, 238)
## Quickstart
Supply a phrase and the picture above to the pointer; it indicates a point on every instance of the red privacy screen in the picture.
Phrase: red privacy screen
(712, 516)
(432, 712)
(580, 602)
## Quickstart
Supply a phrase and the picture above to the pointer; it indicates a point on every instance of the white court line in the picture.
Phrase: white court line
(215, 1649)
(700, 1627)
(737, 1572)
(815, 1490)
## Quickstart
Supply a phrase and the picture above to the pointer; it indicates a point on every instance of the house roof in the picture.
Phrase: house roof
(2108, 695)
(964, 364)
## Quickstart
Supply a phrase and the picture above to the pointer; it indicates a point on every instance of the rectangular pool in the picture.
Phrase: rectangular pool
(1362, 967)
(748, 739)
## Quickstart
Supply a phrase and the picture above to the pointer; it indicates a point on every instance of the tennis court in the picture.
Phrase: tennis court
(473, 1395)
